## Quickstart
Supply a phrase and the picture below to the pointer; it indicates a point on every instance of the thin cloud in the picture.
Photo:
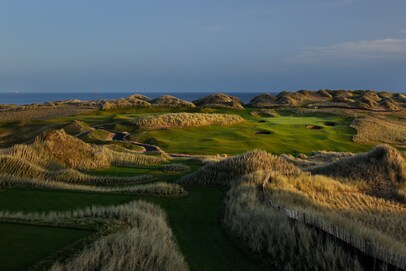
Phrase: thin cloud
(402, 31)
(358, 50)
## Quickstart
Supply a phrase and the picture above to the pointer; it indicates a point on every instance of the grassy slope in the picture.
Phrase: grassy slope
(26, 244)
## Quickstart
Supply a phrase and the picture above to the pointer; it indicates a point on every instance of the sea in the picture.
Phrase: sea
(41, 97)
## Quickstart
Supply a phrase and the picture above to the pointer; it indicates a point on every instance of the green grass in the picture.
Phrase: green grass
(30, 200)
(155, 170)
(288, 135)
(196, 222)
(23, 245)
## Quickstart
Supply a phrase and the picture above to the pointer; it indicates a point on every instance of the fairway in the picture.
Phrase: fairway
(281, 134)
(197, 223)
(24, 245)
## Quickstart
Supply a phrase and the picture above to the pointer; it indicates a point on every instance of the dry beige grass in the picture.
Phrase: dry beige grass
(44, 112)
(145, 241)
(170, 101)
(382, 170)
(59, 147)
(375, 220)
(156, 189)
(219, 100)
(186, 119)
(375, 130)
(269, 232)
(224, 171)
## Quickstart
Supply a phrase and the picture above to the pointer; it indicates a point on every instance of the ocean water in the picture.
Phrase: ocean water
(41, 97)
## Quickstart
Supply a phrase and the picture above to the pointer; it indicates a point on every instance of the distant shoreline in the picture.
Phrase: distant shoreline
(22, 98)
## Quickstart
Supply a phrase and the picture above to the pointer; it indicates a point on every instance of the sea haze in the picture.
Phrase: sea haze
(41, 97)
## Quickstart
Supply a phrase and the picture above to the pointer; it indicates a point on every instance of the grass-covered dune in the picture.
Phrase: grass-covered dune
(381, 129)
(186, 119)
(382, 170)
(223, 172)
(219, 100)
(339, 203)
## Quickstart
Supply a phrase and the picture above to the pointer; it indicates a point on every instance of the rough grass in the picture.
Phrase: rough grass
(224, 171)
(383, 169)
(186, 119)
(375, 220)
(374, 130)
(56, 150)
(156, 188)
(294, 246)
(145, 243)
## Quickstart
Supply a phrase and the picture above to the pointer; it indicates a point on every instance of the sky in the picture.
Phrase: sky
(201, 46)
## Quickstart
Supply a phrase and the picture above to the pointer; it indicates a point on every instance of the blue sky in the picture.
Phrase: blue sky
(186, 46)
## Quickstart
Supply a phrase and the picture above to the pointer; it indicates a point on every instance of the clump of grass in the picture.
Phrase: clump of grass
(145, 241)
(293, 246)
(175, 168)
(186, 119)
(224, 171)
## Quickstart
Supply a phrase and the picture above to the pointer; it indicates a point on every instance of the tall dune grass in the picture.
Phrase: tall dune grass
(145, 243)
(267, 231)
(382, 169)
(374, 220)
(186, 119)
(224, 171)
(157, 188)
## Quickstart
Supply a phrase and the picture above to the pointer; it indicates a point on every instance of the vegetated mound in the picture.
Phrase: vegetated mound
(139, 97)
(313, 127)
(122, 103)
(224, 171)
(263, 100)
(77, 127)
(373, 130)
(71, 151)
(301, 97)
(170, 101)
(382, 169)
(186, 119)
(57, 147)
(219, 100)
